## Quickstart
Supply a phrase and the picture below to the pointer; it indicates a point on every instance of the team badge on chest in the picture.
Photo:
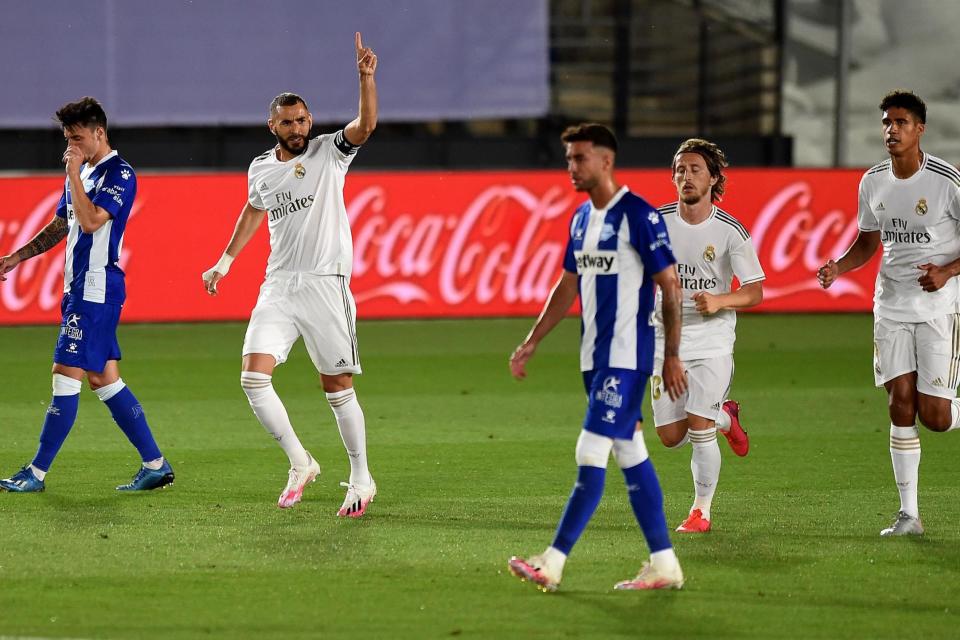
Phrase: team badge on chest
(710, 253)
(299, 170)
(921, 207)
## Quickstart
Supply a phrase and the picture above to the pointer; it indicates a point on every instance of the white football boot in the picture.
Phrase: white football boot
(537, 570)
(357, 498)
(298, 478)
(652, 578)
(904, 525)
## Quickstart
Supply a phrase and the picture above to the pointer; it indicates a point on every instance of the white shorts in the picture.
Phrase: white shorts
(708, 383)
(319, 308)
(931, 348)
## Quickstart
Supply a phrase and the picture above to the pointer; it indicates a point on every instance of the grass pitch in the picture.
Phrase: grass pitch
(472, 468)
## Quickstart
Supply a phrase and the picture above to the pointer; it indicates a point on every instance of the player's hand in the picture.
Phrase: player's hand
(7, 263)
(366, 58)
(707, 303)
(518, 361)
(828, 273)
(72, 159)
(210, 279)
(674, 377)
(933, 277)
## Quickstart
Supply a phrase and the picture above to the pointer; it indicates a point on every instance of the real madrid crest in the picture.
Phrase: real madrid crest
(921, 207)
(299, 170)
(710, 253)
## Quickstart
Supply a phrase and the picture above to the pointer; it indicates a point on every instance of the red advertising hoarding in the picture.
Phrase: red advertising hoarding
(426, 244)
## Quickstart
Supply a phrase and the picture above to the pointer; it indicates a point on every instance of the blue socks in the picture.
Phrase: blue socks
(580, 507)
(646, 498)
(129, 416)
(61, 415)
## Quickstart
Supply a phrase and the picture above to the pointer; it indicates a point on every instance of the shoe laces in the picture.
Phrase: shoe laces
(645, 571)
(293, 477)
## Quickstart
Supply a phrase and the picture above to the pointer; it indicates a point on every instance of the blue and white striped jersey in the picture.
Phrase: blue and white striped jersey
(91, 270)
(615, 253)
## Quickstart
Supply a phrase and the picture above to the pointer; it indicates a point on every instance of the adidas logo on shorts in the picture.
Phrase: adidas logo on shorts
(341, 363)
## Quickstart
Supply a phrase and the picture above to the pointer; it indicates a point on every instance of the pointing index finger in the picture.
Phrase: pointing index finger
(357, 42)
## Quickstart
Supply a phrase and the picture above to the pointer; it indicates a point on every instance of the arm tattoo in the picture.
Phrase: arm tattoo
(672, 310)
(49, 237)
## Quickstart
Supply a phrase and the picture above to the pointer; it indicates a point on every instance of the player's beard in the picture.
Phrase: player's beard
(693, 197)
(291, 150)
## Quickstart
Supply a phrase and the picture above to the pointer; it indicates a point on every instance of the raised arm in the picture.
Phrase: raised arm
(90, 217)
(558, 303)
(674, 376)
(247, 224)
(856, 256)
(48, 237)
(359, 130)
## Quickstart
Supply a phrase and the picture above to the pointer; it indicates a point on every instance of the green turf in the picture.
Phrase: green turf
(472, 467)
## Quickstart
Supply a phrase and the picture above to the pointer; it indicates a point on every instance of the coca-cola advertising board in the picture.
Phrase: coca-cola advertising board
(426, 244)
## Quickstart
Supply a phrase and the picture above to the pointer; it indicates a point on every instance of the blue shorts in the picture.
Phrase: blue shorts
(614, 397)
(88, 334)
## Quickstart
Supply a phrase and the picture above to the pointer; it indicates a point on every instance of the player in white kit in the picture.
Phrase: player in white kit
(711, 248)
(298, 187)
(910, 204)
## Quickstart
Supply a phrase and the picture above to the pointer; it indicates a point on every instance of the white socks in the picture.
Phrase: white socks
(905, 454)
(705, 465)
(954, 414)
(272, 415)
(723, 420)
(353, 433)
(554, 561)
(665, 561)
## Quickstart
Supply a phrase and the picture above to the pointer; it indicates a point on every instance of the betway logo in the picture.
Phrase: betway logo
(596, 262)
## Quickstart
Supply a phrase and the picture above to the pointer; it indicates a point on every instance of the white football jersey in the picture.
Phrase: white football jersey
(303, 198)
(709, 255)
(919, 222)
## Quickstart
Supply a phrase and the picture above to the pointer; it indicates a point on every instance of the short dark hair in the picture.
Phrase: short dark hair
(714, 157)
(598, 134)
(905, 100)
(85, 112)
(287, 99)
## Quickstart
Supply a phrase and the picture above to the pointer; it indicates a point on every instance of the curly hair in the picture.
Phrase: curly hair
(905, 100)
(714, 157)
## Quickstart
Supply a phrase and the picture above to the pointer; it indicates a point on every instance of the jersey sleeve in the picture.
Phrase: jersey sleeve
(745, 263)
(61, 211)
(648, 235)
(569, 260)
(253, 195)
(116, 192)
(342, 151)
(866, 220)
(953, 209)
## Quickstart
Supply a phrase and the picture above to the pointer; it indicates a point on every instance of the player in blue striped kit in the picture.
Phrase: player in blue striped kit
(617, 250)
(92, 214)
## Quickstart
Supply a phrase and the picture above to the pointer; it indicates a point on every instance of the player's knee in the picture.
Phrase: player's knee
(630, 453)
(593, 450)
(934, 415)
(673, 436)
(107, 391)
(336, 383)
